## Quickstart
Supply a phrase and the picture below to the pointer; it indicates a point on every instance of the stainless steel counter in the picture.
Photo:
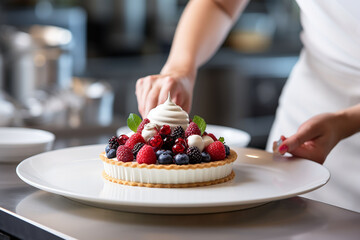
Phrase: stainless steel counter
(28, 213)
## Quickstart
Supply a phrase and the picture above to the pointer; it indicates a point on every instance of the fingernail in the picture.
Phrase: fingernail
(283, 149)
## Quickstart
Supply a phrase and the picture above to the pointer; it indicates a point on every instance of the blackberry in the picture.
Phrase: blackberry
(168, 143)
(137, 148)
(194, 155)
(178, 132)
(113, 142)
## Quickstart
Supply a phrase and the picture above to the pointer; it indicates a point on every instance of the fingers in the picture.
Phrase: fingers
(146, 94)
(305, 133)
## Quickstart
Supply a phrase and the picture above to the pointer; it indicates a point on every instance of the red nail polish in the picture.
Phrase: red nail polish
(283, 149)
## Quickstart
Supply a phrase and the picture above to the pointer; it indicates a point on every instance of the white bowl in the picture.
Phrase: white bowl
(233, 137)
(17, 144)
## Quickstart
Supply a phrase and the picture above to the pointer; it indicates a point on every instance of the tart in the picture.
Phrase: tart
(169, 150)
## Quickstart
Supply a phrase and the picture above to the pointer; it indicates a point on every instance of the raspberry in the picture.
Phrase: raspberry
(146, 155)
(212, 136)
(137, 148)
(178, 148)
(156, 141)
(113, 142)
(124, 154)
(216, 151)
(134, 139)
(142, 124)
(165, 130)
(178, 132)
(122, 139)
(192, 129)
(194, 155)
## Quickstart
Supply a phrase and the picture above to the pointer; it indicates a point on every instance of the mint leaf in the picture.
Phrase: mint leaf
(200, 122)
(133, 121)
(221, 139)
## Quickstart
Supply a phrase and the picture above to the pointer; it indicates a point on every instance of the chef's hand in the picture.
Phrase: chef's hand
(153, 90)
(314, 139)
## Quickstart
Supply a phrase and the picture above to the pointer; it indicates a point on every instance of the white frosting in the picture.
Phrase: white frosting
(169, 113)
(207, 140)
(196, 141)
(149, 131)
(167, 176)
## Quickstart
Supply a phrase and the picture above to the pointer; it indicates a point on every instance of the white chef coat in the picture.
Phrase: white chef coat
(326, 79)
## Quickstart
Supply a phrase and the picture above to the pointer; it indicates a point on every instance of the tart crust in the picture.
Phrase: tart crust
(159, 185)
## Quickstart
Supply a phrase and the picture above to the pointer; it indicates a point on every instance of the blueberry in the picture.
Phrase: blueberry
(205, 157)
(111, 153)
(227, 150)
(159, 152)
(169, 152)
(165, 158)
(107, 148)
(181, 159)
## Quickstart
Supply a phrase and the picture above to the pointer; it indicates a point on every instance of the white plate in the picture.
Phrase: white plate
(16, 144)
(76, 173)
(233, 137)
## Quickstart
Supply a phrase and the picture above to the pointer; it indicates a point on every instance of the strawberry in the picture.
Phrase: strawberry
(216, 151)
(212, 136)
(192, 129)
(146, 155)
(134, 139)
(142, 124)
(124, 154)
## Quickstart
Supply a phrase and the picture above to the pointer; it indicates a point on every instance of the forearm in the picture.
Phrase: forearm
(202, 28)
(349, 121)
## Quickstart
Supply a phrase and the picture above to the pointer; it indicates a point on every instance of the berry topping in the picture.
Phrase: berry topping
(227, 150)
(212, 136)
(178, 132)
(216, 150)
(181, 141)
(192, 129)
(194, 155)
(158, 152)
(142, 124)
(124, 154)
(181, 159)
(122, 139)
(146, 155)
(178, 148)
(113, 142)
(165, 130)
(107, 148)
(165, 158)
(156, 141)
(205, 157)
(134, 139)
(168, 143)
(111, 153)
(137, 148)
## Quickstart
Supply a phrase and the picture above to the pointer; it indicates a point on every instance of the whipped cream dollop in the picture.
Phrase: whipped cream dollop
(150, 130)
(169, 113)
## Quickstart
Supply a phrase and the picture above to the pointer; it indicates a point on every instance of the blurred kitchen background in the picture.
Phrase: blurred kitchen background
(70, 66)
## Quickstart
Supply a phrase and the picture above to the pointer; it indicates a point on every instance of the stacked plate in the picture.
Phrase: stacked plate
(16, 144)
